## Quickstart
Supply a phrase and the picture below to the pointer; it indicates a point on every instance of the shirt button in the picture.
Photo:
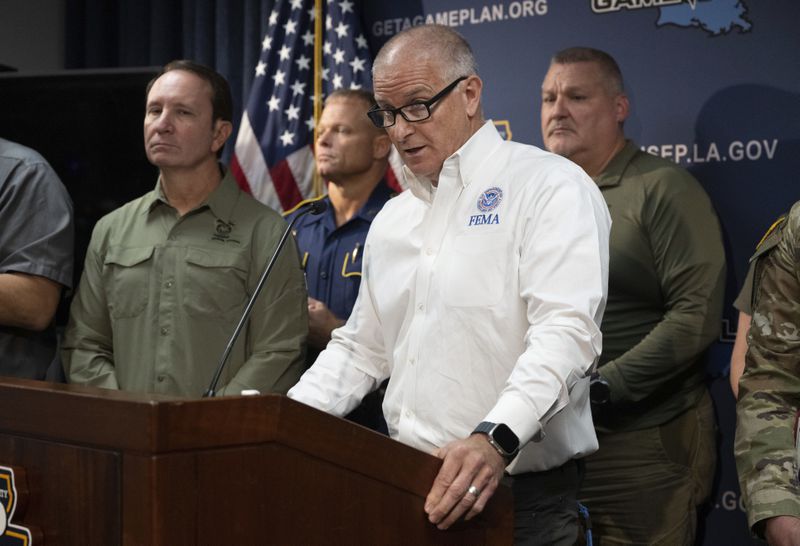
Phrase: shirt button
(429, 251)
(421, 307)
(164, 331)
(411, 361)
(324, 275)
(169, 284)
(409, 413)
(160, 378)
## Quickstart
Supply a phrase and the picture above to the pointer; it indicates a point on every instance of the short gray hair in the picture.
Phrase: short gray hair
(358, 94)
(445, 45)
(612, 75)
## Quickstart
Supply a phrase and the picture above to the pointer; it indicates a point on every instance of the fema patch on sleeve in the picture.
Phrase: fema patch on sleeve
(490, 199)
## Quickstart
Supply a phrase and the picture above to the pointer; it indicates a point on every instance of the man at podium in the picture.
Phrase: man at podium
(167, 276)
(482, 292)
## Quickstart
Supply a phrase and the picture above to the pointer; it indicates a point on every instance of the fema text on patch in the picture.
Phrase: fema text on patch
(483, 219)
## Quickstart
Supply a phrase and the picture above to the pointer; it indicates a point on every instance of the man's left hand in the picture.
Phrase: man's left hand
(321, 322)
(468, 478)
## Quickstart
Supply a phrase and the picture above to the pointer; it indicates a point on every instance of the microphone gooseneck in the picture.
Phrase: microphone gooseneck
(315, 207)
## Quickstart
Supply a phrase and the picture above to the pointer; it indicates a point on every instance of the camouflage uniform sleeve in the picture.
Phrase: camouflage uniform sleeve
(769, 395)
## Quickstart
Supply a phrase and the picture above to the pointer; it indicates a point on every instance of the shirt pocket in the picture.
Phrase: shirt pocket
(128, 271)
(347, 285)
(215, 284)
(475, 269)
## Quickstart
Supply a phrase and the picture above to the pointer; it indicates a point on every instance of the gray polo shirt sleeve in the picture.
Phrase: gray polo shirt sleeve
(37, 236)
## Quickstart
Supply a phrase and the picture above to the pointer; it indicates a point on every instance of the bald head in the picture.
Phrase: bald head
(436, 45)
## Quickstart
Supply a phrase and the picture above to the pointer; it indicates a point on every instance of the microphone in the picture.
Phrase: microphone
(315, 207)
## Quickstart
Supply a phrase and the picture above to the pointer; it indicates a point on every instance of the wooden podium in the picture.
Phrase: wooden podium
(107, 468)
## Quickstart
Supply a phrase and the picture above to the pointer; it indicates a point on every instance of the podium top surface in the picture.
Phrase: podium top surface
(148, 423)
(155, 426)
(152, 425)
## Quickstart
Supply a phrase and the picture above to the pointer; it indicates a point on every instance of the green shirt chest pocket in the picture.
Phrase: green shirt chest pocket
(214, 284)
(127, 272)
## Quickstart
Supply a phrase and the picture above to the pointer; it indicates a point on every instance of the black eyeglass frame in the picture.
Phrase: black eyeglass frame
(376, 114)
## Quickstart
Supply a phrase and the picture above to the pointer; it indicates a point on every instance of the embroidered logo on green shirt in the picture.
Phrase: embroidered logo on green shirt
(223, 232)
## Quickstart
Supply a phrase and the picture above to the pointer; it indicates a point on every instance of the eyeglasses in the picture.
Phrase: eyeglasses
(416, 111)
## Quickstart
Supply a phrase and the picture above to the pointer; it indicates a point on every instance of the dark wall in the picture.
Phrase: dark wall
(32, 34)
(88, 125)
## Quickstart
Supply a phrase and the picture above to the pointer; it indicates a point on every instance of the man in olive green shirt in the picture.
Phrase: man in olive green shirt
(167, 276)
(652, 412)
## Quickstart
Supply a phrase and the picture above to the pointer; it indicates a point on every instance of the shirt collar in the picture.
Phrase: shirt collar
(154, 197)
(612, 175)
(379, 196)
(224, 198)
(221, 201)
(463, 164)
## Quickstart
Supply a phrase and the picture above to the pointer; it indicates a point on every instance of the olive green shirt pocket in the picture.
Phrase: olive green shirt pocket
(128, 272)
(215, 284)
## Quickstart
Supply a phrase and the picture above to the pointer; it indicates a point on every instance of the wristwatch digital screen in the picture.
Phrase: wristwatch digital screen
(501, 437)
(599, 390)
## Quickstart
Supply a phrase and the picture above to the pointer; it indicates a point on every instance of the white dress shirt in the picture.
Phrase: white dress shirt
(482, 301)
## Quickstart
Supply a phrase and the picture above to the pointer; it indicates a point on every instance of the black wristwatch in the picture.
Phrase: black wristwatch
(599, 390)
(501, 437)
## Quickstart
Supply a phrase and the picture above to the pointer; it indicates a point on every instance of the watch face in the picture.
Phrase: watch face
(505, 438)
(599, 392)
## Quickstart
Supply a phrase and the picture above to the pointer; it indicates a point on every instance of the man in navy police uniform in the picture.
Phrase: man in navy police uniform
(352, 158)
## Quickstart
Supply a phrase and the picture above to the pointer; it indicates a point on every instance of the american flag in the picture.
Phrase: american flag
(273, 159)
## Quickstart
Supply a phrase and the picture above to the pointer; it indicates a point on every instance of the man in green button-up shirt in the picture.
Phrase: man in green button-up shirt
(652, 412)
(167, 275)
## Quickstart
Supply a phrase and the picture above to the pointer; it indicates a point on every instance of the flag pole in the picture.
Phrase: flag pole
(317, 182)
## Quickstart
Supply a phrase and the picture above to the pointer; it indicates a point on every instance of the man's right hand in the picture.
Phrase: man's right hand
(471, 471)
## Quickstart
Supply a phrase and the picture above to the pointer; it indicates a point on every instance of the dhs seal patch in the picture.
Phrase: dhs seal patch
(487, 202)
(490, 199)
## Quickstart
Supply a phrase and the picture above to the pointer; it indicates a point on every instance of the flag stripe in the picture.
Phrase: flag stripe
(285, 186)
(273, 155)
(238, 174)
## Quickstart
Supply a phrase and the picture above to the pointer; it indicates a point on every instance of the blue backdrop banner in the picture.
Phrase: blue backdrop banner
(714, 86)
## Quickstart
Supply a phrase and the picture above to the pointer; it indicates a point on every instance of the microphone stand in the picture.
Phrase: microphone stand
(315, 207)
